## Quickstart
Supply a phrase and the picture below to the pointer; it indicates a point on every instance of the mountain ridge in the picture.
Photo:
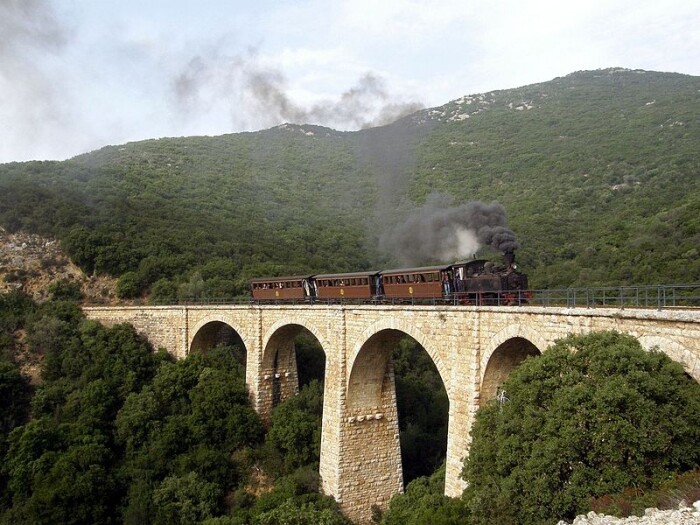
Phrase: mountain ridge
(598, 171)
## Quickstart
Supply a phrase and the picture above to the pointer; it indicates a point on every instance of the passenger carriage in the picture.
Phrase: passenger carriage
(298, 287)
(357, 285)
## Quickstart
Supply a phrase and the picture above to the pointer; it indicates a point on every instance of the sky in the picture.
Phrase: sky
(76, 75)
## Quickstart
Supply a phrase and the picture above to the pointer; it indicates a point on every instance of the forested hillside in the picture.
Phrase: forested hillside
(598, 171)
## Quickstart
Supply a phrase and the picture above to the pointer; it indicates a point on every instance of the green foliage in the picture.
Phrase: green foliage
(119, 434)
(184, 428)
(293, 500)
(293, 513)
(59, 467)
(15, 307)
(163, 291)
(423, 503)
(64, 290)
(593, 415)
(295, 433)
(14, 392)
(185, 499)
(128, 286)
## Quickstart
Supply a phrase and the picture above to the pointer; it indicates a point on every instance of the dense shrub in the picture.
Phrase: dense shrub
(424, 503)
(595, 414)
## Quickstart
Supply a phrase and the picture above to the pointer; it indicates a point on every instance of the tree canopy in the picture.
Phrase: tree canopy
(593, 415)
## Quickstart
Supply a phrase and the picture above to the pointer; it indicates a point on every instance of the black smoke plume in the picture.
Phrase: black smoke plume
(249, 87)
(438, 231)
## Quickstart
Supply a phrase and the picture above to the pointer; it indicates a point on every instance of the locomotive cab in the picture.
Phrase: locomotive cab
(480, 281)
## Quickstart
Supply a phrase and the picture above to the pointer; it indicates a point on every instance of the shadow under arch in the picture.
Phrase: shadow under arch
(505, 358)
(372, 436)
(405, 330)
(280, 372)
(218, 333)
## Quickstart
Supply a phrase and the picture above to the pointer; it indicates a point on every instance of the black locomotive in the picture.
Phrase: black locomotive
(476, 281)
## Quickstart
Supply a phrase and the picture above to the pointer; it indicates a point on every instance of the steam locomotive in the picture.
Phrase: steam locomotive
(476, 281)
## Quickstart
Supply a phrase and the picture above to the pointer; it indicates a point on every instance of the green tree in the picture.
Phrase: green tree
(593, 415)
(185, 500)
(183, 435)
(15, 395)
(129, 286)
(295, 432)
(424, 503)
(293, 512)
(64, 290)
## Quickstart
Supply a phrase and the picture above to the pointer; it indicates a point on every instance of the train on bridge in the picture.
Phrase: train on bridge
(476, 281)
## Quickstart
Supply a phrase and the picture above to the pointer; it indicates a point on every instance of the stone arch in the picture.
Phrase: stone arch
(506, 351)
(278, 372)
(210, 331)
(674, 350)
(407, 329)
(296, 322)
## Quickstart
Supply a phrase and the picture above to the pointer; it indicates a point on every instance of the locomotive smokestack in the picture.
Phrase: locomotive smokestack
(509, 259)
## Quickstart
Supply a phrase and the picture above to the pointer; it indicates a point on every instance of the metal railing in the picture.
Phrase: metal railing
(643, 296)
(659, 297)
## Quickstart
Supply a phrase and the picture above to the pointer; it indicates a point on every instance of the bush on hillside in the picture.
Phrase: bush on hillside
(595, 414)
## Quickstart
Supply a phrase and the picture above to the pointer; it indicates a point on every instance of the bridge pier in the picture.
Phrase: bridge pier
(370, 461)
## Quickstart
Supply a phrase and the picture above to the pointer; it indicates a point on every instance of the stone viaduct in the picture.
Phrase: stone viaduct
(473, 348)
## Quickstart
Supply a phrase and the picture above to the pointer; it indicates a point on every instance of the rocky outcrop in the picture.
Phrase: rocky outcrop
(683, 515)
(32, 263)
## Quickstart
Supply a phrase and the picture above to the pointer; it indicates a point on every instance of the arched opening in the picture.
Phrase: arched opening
(423, 408)
(397, 416)
(219, 334)
(506, 358)
(293, 358)
(292, 396)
